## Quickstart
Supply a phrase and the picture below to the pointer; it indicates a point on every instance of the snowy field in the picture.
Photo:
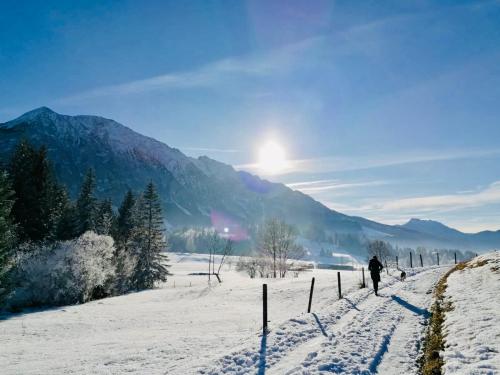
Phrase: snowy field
(188, 326)
(472, 328)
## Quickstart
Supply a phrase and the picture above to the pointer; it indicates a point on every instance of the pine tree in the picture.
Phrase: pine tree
(67, 228)
(148, 241)
(20, 168)
(38, 197)
(125, 220)
(7, 235)
(123, 258)
(105, 218)
(86, 204)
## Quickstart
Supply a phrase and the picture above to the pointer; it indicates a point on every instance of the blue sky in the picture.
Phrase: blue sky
(386, 109)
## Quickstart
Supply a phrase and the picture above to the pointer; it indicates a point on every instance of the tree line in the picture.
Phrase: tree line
(386, 252)
(41, 225)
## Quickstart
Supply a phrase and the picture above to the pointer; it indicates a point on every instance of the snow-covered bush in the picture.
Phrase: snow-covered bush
(125, 265)
(247, 265)
(254, 266)
(67, 272)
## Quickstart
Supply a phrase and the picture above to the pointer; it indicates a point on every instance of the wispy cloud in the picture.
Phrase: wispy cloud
(399, 210)
(312, 187)
(298, 185)
(276, 61)
(210, 150)
(448, 202)
(338, 164)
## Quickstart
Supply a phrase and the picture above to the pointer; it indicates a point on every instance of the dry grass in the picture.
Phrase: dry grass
(479, 263)
(431, 362)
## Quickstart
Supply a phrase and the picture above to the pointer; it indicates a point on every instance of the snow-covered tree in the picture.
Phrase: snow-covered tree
(278, 242)
(147, 242)
(380, 249)
(67, 272)
(105, 218)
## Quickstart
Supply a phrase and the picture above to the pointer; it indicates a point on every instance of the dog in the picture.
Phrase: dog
(403, 275)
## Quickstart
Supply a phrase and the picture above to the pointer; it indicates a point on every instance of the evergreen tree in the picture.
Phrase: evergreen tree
(105, 220)
(6, 233)
(125, 221)
(123, 258)
(148, 241)
(86, 205)
(38, 197)
(67, 228)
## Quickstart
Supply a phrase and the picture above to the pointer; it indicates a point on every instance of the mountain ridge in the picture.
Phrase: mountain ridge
(194, 188)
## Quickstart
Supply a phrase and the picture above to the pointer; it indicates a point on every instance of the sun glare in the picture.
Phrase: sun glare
(272, 158)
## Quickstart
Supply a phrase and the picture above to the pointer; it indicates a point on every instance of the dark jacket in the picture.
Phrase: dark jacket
(375, 267)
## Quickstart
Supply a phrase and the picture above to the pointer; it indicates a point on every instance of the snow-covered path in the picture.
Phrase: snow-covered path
(361, 334)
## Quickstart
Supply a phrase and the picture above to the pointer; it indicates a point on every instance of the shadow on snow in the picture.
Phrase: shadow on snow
(417, 310)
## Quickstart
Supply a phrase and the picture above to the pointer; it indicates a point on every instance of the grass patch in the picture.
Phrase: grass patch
(479, 263)
(430, 362)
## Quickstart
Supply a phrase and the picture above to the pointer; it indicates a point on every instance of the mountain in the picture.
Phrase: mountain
(195, 192)
(434, 228)
(481, 240)
(199, 192)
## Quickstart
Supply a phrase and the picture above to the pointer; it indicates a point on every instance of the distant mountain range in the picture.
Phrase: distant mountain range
(202, 192)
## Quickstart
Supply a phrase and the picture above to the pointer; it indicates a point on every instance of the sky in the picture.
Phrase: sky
(385, 109)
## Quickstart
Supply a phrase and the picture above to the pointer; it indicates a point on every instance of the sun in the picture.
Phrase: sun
(272, 158)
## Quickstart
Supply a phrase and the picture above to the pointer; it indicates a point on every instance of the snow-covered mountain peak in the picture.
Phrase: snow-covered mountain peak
(38, 114)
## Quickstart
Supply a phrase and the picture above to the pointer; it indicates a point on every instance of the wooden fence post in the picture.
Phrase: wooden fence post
(310, 296)
(455, 257)
(397, 262)
(340, 285)
(438, 257)
(421, 261)
(411, 260)
(264, 309)
(363, 272)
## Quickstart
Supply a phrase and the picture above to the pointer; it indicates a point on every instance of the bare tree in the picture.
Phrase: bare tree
(278, 242)
(218, 245)
(214, 243)
(380, 249)
(226, 251)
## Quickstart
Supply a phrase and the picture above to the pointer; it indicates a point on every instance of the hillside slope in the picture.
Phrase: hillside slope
(192, 189)
(472, 326)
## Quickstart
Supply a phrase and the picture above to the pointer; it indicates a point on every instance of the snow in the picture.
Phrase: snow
(158, 331)
(472, 327)
(360, 334)
(188, 326)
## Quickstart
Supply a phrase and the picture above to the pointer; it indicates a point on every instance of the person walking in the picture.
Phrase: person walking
(375, 267)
